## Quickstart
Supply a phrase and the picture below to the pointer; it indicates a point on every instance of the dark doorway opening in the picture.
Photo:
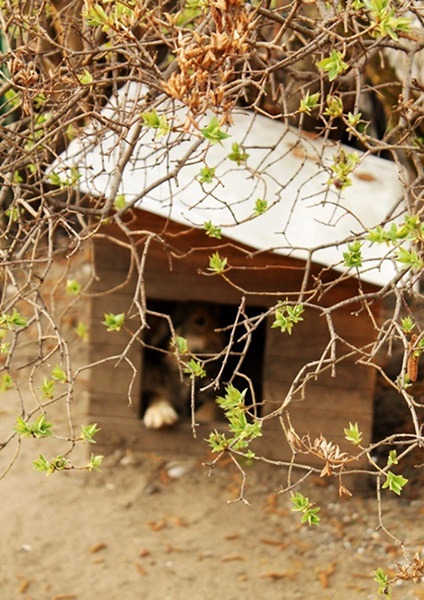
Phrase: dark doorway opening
(228, 345)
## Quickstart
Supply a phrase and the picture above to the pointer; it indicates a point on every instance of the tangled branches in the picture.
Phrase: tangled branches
(226, 116)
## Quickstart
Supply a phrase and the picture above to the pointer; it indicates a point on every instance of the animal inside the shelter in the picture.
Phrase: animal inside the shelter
(191, 331)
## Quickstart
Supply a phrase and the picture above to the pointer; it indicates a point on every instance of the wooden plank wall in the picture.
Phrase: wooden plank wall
(324, 404)
(180, 256)
(328, 403)
(110, 381)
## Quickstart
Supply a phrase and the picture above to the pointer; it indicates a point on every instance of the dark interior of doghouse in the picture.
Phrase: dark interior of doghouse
(242, 366)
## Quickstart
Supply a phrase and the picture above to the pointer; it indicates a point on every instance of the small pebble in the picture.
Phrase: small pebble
(177, 470)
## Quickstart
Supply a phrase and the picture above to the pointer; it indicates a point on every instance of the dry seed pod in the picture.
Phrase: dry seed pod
(412, 366)
(412, 363)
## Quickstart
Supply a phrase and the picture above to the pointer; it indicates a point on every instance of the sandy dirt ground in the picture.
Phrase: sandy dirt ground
(157, 527)
(161, 527)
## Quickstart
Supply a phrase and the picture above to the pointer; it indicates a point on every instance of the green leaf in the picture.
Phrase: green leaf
(218, 441)
(383, 18)
(197, 4)
(48, 388)
(114, 322)
(55, 178)
(352, 434)
(82, 331)
(206, 174)
(22, 428)
(237, 155)
(14, 213)
(195, 369)
(73, 287)
(353, 119)
(151, 119)
(301, 503)
(95, 462)
(392, 458)
(410, 258)
(119, 202)
(382, 579)
(353, 256)
(217, 264)
(411, 228)
(71, 179)
(311, 516)
(59, 463)
(154, 121)
(4, 347)
(88, 432)
(213, 132)
(17, 177)
(309, 102)
(395, 483)
(233, 399)
(377, 235)
(261, 206)
(6, 382)
(342, 167)
(40, 428)
(42, 464)
(13, 320)
(310, 511)
(334, 106)
(407, 324)
(97, 17)
(86, 78)
(58, 374)
(180, 345)
(212, 231)
(333, 65)
(287, 316)
(186, 16)
(244, 431)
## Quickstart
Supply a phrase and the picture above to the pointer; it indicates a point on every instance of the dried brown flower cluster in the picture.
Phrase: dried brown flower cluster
(412, 571)
(329, 452)
(208, 60)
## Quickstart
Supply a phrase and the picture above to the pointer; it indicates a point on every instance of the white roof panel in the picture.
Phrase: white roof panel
(285, 167)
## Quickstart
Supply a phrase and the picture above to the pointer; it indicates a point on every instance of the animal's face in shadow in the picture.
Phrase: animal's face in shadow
(198, 325)
(191, 333)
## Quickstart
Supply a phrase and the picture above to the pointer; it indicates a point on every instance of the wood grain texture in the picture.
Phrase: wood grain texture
(176, 269)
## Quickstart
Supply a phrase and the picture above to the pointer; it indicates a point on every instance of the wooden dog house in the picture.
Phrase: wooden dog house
(329, 403)
(298, 239)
